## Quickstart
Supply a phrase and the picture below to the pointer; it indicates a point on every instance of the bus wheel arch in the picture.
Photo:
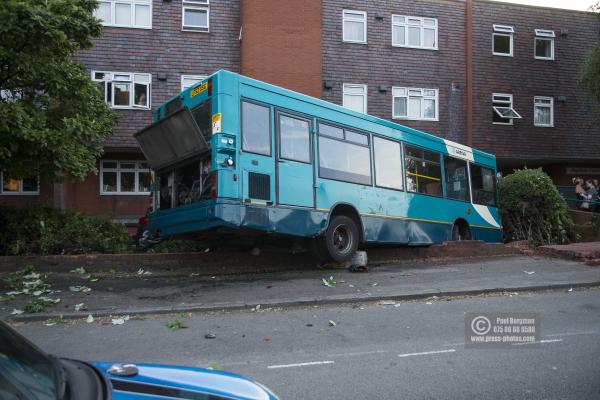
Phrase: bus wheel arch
(461, 230)
(342, 236)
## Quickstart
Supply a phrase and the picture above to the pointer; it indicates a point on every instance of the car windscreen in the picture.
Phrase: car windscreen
(172, 139)
(25, 372)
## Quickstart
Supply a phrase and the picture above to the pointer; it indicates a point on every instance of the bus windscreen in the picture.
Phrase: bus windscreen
(170, 140)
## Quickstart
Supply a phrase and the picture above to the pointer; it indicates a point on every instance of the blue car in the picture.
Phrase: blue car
(27, 373)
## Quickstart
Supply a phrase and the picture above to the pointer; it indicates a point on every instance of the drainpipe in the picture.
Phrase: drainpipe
(469, 66)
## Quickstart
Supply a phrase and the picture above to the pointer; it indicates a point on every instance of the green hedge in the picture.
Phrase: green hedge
(532, 209)
(45, 230)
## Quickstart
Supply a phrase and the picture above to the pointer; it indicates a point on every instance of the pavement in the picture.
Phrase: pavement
(392, 350)
(589, 252)
(156, 291)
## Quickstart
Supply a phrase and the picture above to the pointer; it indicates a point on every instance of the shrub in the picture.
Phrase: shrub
(44, 230)
(595, 222)
(532, 209)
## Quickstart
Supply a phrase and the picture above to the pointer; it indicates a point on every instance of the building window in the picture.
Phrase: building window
(415, 32)
(195, 15)
(25, 186)
(125, 13)
(544, 44)
(355, 97)
(256, 128)
(189, 80)
(124, 177)
(415, 103)
(423, 171)
(502, 44)
(354, 26)
(388, 163)
(124, 89)
(543, 111)
(503, 112)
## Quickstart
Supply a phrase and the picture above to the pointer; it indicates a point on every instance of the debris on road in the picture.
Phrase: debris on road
(329, 282)
(387, 303)
(332, 323)
(80, 306)
(143, 272)
(529, 272)
(89, 319)
(119, 320)
(16, 312)
(210, 336)
(176, 325)
(83, 289)
(256, 308)
(358, 263)
(54, 321)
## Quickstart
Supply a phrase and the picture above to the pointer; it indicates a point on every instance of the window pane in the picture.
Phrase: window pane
(109, 164)
(103, 12)
(127, 164)
(30, 184)
(127, 181)
(399, 33)
(142, 15)
(457, 180)
(144, 182)
(388, 163)
(344, 161)
(483, 185)
(414, 107)
(354, 102)
(122, 14)
(428, 108)
(354, 31)
(332, 131)
(502, 44)
(10, 185)
(422, 176)
(294, 135)
(202, 116)
(400, 106)
(357, 138)
(543, 48)
(429, 37)
(542, 115)
(414, 36)
(256, 128)
(109, 181)
(195, 17)
(121, 91)
(141, 95)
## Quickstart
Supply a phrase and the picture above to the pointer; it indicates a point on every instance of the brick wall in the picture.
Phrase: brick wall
(576, 132)
(281, 43)
(166, 49)
(378, 63)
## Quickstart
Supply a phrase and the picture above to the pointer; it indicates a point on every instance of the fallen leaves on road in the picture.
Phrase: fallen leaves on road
(256, 308)
(39, 304)
(54, 321)
(143, 272)
(16, 312)
(329, 282)
(215, 366)
(80, 306)
(176, 325)
(332, 323)
(83, 289)
(529, 272)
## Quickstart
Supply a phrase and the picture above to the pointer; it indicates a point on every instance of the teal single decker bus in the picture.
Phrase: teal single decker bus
(234, 155)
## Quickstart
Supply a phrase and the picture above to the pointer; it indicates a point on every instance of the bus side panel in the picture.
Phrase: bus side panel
(284, 220)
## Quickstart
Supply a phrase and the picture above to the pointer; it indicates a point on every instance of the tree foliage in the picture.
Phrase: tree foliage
(590, 72)
(53, 120)
(532, 209)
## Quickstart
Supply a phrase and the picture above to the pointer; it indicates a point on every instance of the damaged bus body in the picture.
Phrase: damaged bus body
(233, 154)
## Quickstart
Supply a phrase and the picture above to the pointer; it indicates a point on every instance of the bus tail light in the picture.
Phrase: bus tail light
(214, 185)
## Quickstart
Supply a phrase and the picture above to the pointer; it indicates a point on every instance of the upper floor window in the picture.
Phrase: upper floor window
(355, 97)
(124, 89)
(195, 15)
(544, 44)
(543, 111)
(502, 109)
(415, 103)
(502, 44)
(124, 177)
(25, 186)
(354, 26)
(189, 80)
(125, 13)
(416, 32)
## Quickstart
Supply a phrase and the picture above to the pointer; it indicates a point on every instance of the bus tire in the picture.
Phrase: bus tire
(461, 231)
(341, 238)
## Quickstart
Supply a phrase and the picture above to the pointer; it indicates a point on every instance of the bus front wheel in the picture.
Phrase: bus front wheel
(341, 238)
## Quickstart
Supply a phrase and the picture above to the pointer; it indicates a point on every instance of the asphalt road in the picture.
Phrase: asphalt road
(412, 350)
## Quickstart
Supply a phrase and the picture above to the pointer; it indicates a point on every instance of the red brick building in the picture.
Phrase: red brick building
(497, 76)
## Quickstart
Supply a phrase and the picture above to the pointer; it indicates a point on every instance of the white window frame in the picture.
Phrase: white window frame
(20, 191)
(544, 34)
(549, 105)
(507, 31)
(405, 92)
(201, 5)
(196, 78)
(118, 170)
(131, 78)
(406, 24)
(362, 19)
(508, 104)
(354, 89)
(133, 4)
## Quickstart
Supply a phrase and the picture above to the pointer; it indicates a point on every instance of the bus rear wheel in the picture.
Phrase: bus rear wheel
(341, 238)
(461, 231)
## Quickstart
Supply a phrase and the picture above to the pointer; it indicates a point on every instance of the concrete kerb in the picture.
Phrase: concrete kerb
(299, 302)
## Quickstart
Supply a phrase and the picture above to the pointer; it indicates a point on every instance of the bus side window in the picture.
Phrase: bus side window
(256, 128)
(388, 163)
(457, 179)
(423, 171)
(483, 183)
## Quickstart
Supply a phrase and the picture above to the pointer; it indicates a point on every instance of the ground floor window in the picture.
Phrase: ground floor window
(124, 177)
(25, 186)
